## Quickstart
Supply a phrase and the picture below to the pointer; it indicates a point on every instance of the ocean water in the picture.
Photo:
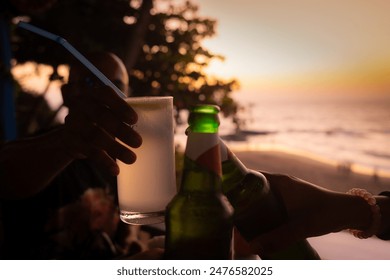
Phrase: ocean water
(352, 133)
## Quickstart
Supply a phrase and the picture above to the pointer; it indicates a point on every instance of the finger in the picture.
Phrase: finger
(105, 162)
(107, 96)
(124, 133)
(83, 96)
(104, 118)
(89, 137)
(100, 139)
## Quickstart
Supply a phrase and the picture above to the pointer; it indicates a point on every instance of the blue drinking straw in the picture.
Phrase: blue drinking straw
(74, 52)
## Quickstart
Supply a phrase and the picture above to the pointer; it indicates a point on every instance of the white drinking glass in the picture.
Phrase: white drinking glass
(146, 186)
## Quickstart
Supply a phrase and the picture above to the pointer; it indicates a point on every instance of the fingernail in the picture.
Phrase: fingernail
(132, 117)
(137, 141)
(128, 158)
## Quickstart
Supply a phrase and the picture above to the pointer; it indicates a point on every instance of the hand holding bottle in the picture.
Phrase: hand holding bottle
(258, 210)
(313, 211)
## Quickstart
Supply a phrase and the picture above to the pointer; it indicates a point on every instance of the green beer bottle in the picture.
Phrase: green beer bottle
(256, 209)
(199, 219)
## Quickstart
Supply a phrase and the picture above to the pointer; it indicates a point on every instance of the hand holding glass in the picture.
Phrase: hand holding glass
(146, 186)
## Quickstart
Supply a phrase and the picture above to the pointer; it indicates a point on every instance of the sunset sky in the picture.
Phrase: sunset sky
(316, 47)
(302, 46)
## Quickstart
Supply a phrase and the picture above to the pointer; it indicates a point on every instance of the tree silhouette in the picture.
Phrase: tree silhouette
(162, 48)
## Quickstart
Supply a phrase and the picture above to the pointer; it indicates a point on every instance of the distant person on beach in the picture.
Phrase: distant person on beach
(315, 211)
(58, 189)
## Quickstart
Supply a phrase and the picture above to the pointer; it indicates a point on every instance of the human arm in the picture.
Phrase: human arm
(96, 116)
(314, 211)
(28, 165)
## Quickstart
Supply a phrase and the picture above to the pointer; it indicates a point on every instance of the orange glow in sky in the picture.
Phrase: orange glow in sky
(302, 45)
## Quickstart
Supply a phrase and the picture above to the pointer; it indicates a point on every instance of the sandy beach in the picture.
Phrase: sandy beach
(335, 246)
(333, 177)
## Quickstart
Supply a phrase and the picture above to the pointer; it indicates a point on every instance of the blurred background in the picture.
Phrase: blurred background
(314, 76)
(310, 77)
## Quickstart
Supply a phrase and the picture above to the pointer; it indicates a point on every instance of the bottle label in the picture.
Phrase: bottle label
(227, 155)
(224, 151)
(203, 148)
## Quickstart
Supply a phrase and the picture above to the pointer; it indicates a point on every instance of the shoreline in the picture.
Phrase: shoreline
(332, 174)
(353, 166)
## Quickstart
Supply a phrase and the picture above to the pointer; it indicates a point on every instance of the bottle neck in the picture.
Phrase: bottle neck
(202, 170)
(204, 119)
